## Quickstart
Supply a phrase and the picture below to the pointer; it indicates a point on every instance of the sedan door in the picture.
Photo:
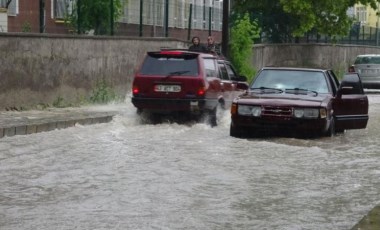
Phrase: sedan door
(351, 104)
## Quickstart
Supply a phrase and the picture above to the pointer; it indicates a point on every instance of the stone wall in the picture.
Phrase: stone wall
(336, 57)
(43, 69)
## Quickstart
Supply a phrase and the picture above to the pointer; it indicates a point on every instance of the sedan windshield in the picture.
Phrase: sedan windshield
(287, 80)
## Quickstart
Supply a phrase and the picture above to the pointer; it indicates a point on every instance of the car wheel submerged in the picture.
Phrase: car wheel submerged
(212, 117)
(331, 130)
(235, 131)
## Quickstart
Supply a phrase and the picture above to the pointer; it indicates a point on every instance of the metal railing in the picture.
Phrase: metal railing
(358, 35)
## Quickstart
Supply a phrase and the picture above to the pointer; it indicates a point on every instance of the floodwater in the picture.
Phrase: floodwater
(131, 175)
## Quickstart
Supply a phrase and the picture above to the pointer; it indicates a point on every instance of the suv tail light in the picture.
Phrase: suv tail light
(135, 89)
(201, 91)
(171, 52)
(351, 69)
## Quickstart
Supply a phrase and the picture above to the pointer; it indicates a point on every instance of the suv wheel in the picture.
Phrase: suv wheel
(212, 117)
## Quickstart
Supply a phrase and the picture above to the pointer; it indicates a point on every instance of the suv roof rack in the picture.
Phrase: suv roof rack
(182, 49)
(169, 49)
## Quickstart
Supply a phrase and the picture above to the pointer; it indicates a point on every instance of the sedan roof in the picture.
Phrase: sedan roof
(293, 68)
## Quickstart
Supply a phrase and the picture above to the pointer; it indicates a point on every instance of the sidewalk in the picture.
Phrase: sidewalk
(34, 121)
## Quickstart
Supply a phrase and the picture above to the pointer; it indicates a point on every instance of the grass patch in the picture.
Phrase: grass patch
(102, 93)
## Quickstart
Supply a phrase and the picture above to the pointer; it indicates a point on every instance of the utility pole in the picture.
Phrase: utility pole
(141, 18)
(112, 17)
(377, 27)
(209, 20)
(225, 32)
(79, 16)
(166, 18)
(42, 16)
(190, 21)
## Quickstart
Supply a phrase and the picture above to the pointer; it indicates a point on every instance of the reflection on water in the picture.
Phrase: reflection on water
(132, 175)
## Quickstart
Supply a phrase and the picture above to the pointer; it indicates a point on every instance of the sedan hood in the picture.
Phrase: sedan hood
(282, 99)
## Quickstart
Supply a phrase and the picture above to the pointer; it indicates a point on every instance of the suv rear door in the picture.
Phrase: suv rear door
(229, 82)
(168, 74)
(176, 77)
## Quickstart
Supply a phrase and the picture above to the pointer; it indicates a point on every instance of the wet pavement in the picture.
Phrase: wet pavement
(34, 121)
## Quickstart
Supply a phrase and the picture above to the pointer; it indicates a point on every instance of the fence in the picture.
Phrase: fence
(358, 35)
(148, 18)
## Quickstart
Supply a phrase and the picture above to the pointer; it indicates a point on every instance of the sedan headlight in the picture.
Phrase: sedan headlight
(248, 110)
(306, 113)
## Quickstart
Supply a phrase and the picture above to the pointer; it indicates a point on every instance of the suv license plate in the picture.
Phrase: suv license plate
(167, 88)
(370, 71)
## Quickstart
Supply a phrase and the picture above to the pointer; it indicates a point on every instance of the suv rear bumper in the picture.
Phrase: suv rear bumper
(173, 105)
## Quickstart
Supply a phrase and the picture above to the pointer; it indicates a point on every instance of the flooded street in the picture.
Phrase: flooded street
(129, 175)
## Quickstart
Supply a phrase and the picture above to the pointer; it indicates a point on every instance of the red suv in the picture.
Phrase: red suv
(183, 83)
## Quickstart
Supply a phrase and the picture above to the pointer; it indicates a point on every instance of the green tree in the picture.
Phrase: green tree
(243, 32)
(95, 15)
(283, 20)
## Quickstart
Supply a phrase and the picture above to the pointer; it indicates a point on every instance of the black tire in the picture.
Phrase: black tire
(340, 130)
(222, 104)
(331, 130)
(235, 131)
(212, 119)
(155, 118)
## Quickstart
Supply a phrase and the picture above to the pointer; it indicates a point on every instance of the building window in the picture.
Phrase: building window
(153, 13)
(3, 3)
(62, 8)
(361, 14)
(12, 8)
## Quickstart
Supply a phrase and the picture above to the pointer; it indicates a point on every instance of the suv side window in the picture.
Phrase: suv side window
(224, 72)
(210, 67)
(231, 71)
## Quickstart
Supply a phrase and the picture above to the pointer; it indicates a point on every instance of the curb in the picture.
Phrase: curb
(28, 123)
(371, 221)
(36, 126)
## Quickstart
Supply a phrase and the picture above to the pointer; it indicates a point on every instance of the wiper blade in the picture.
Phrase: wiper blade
(177, 73)
(300, 91)
(268, 90)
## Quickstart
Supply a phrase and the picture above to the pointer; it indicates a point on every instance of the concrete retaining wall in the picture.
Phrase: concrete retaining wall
(44, 69)
(336, 57)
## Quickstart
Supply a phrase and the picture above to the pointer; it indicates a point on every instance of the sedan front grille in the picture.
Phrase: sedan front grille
(276, 111)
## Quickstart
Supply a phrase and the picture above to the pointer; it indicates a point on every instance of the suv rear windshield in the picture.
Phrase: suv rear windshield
(165, 65)
(368, 60)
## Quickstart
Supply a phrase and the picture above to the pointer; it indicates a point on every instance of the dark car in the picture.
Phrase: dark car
(299, 101)
(183, 83)
(368, 68)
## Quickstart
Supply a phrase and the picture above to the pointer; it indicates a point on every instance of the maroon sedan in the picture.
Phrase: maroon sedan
(299, 102)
